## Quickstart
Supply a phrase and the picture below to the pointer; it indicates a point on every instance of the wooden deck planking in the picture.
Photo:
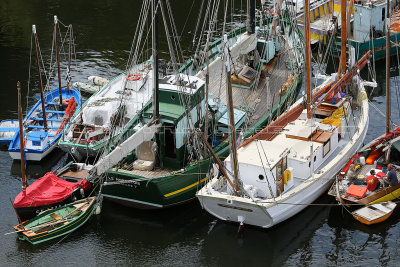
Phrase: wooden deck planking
(260, 100)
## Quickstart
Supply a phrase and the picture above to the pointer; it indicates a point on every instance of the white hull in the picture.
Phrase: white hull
(33, 156)
(268, 212)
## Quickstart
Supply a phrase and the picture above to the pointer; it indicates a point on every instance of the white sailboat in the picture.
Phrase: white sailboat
(282, 169)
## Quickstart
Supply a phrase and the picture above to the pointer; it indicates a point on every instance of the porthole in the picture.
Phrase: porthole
(173, 97)
(261, 177)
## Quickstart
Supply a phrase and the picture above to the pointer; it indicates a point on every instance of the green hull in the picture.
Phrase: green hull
(157, 193)
(378, 46)
(181, 186)
(58, 231)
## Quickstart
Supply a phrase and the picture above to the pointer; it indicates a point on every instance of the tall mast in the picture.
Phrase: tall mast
(21, 138)
(40, 77)
(69, 58)
(344, 35)
(308, 55)
(232, 130)
(206, 95)
(156, 104)
(251, 16)
(387, 66)
(58, 58)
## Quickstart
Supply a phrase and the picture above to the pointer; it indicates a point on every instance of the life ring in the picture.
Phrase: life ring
(287, 175)
(133, 77)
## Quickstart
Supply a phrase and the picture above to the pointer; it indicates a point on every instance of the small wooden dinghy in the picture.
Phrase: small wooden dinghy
(375, 213)
(55, 223)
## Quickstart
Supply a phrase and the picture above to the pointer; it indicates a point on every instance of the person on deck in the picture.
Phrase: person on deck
(391, 177)
(372, 182)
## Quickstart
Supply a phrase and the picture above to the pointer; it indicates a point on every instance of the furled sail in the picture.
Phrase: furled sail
(146, 133)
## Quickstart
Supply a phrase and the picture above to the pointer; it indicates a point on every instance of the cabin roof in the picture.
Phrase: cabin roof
(261, 153)
(36, 136)
(181, 83)
(293, 141)
(167, 111)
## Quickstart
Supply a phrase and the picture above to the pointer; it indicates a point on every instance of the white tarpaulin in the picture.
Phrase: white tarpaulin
(99, 113)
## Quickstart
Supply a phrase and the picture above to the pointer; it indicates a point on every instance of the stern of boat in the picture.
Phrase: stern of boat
(232, 208)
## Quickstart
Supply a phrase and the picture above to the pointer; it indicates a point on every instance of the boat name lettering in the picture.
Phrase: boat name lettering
(236, 208)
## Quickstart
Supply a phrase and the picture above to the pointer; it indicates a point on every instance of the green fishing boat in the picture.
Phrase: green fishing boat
(369, 28)
(171, 164)
(55, 223)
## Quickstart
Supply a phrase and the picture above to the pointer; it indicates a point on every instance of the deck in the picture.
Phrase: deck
(259, 101)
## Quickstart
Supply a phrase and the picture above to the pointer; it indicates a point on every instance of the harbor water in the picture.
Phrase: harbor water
(322, 235)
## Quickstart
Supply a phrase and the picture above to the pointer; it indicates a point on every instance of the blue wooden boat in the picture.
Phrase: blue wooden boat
(8, 128)
(39, 141)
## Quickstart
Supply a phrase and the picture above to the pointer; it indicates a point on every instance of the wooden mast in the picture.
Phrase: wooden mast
(206, 95)
(156, 104)
(387, 66)
(217, 160)
(251, 17)
(232, 130)
(156, 101)
(58, 59)
(308, 55)
(69, 58)
(40, 77)
(21, 139)
(344, 36)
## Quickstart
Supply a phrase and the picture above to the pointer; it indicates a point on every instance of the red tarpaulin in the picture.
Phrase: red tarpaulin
(46, 191)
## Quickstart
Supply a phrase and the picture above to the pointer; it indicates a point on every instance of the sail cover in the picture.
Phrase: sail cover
(47, 190)
(145, 133)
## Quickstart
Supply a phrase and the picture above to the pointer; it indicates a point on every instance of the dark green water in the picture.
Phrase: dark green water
(184, 236)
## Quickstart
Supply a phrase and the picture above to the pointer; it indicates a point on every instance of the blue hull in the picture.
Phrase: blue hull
(34, 132)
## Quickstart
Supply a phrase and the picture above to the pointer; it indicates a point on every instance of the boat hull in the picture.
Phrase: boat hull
(60, 231)
(243, 210)
(168, 191)
(156, 193)
(378, 45)
(39, 153)
(367, 222)
(27, 213)
(34, 155)
(269, 212)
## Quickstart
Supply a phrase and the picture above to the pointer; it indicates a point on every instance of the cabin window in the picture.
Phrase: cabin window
(327, 147)
(315, 158)
(383, 14)
(173, 97)
(169, 140)
(36, 143)
(261, 177)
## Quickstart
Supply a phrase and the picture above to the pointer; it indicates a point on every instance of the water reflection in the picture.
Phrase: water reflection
(34, 170)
